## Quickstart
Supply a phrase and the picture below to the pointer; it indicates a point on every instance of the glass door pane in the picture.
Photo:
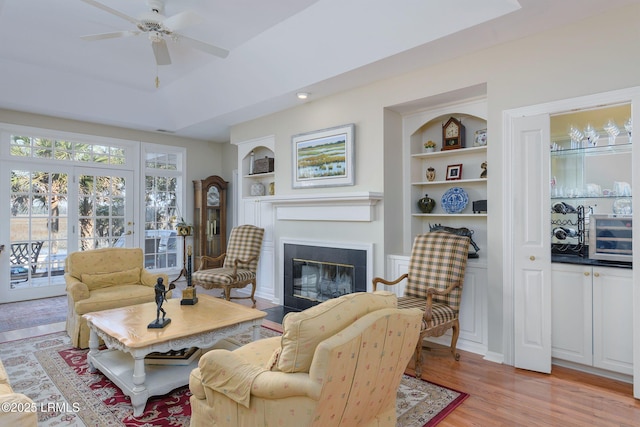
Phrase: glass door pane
(38, 222)
(103, 218)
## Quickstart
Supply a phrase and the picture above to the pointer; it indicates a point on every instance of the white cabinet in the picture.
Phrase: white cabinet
(473, 326)
(258, 210)
(260, 213)
(572, 313)
(592, 316)
(613, 319)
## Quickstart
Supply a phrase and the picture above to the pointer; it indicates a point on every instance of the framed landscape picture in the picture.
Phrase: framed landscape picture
(324, 158)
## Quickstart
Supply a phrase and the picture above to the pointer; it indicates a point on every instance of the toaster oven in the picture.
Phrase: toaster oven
(610, 237)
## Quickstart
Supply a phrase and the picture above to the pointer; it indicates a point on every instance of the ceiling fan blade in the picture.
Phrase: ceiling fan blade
(181, 20)
(111, 11)
(161, 52)
(102, 36)
(205, 47)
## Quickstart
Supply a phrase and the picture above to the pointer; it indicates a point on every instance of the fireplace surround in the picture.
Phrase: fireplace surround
(315, 272)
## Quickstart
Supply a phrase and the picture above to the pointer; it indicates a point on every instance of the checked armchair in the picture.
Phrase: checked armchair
(434, 284)
(240, 263)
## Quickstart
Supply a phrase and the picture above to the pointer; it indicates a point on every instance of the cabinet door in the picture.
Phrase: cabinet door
(571, 313)
(613, 319)
(473, 308)
(531, 243)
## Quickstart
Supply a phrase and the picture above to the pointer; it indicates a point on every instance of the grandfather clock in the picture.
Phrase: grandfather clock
(210, 218)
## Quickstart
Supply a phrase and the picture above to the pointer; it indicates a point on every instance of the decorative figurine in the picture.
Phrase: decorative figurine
(431, 174)
(161, 297)
(484, 170)
(189, 294)
(460, 231)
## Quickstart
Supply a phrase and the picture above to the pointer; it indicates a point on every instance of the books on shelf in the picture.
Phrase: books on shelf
(174, 357)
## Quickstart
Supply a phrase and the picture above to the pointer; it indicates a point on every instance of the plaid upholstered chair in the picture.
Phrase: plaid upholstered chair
(434, 284)
(240, 263)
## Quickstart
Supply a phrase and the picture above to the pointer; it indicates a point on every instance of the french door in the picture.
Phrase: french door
(55, 210)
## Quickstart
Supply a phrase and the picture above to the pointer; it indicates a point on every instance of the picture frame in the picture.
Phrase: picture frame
(454, 172)
(324, 158)
(480, 138)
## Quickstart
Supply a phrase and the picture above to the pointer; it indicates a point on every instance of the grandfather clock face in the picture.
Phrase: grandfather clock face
(452, 135)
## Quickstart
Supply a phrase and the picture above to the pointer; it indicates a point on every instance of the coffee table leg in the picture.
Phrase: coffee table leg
(139, 392)
(93, 348)
(256, 332)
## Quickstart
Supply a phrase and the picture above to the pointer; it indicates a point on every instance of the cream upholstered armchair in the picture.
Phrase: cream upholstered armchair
(338, 363)
(240, 263)
(16, 401)
(102, 279)
(434, 285)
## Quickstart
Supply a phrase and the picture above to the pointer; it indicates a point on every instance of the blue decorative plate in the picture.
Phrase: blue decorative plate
(454, 200)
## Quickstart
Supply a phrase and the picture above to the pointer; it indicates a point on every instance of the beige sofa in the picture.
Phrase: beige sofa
(102, 279)
(338, 363)
(13, 411)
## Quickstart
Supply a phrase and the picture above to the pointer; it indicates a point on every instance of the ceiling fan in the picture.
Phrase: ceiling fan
(157, 27)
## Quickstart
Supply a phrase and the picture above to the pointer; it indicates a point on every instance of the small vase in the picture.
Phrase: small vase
(431, 174)
(426, 204)
(429, 149)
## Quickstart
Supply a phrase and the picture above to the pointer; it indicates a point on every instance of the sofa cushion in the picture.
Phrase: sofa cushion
(105, 260)
(303, 331)
(115, 297)
(105, 280)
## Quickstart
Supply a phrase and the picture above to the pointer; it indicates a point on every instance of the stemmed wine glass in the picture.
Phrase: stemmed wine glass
(576, 137)
(628, 126)
(592, 135)
(612, 130)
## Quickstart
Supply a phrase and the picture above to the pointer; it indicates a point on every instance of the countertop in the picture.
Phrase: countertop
(582, 257)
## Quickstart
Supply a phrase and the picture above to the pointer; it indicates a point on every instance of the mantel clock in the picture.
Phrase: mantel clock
(453, 134)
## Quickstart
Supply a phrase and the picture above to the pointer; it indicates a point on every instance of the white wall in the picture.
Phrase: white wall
(596, 55)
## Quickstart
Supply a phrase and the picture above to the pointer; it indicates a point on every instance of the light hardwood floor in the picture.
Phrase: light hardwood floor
(501, 395)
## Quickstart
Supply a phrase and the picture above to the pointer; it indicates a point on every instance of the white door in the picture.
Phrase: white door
(532, 256)
(55, 210)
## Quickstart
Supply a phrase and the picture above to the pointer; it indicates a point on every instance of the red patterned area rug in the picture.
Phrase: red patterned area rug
(57, 378)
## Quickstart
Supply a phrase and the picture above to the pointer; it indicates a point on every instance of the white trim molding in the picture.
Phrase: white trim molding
(358, 206)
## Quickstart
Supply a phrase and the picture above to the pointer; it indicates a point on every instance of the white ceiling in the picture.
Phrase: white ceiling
(277, 48)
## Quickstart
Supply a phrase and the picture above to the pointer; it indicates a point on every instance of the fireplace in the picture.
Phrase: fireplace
(313, 274)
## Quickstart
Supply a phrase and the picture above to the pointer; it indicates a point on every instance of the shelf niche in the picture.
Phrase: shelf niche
(427, 125)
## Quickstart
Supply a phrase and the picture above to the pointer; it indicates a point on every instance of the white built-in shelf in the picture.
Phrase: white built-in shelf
(443, 214)
(259, 175)
(452, 182)
(449, 153)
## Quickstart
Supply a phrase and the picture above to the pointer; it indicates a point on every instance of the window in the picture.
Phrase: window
(64, 150)
(163, 166)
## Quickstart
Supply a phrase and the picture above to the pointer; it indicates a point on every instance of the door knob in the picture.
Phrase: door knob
(532, 258)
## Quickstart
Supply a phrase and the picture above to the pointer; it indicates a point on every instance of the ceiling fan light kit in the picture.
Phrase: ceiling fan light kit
(157, 26)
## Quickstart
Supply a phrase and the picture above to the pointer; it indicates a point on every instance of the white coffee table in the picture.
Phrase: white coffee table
(128, 340)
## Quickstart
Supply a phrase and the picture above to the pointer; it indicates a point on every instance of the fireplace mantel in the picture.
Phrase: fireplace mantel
(357, 206)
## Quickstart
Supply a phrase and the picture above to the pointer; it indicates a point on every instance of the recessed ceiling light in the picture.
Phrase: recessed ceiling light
(302, 95)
